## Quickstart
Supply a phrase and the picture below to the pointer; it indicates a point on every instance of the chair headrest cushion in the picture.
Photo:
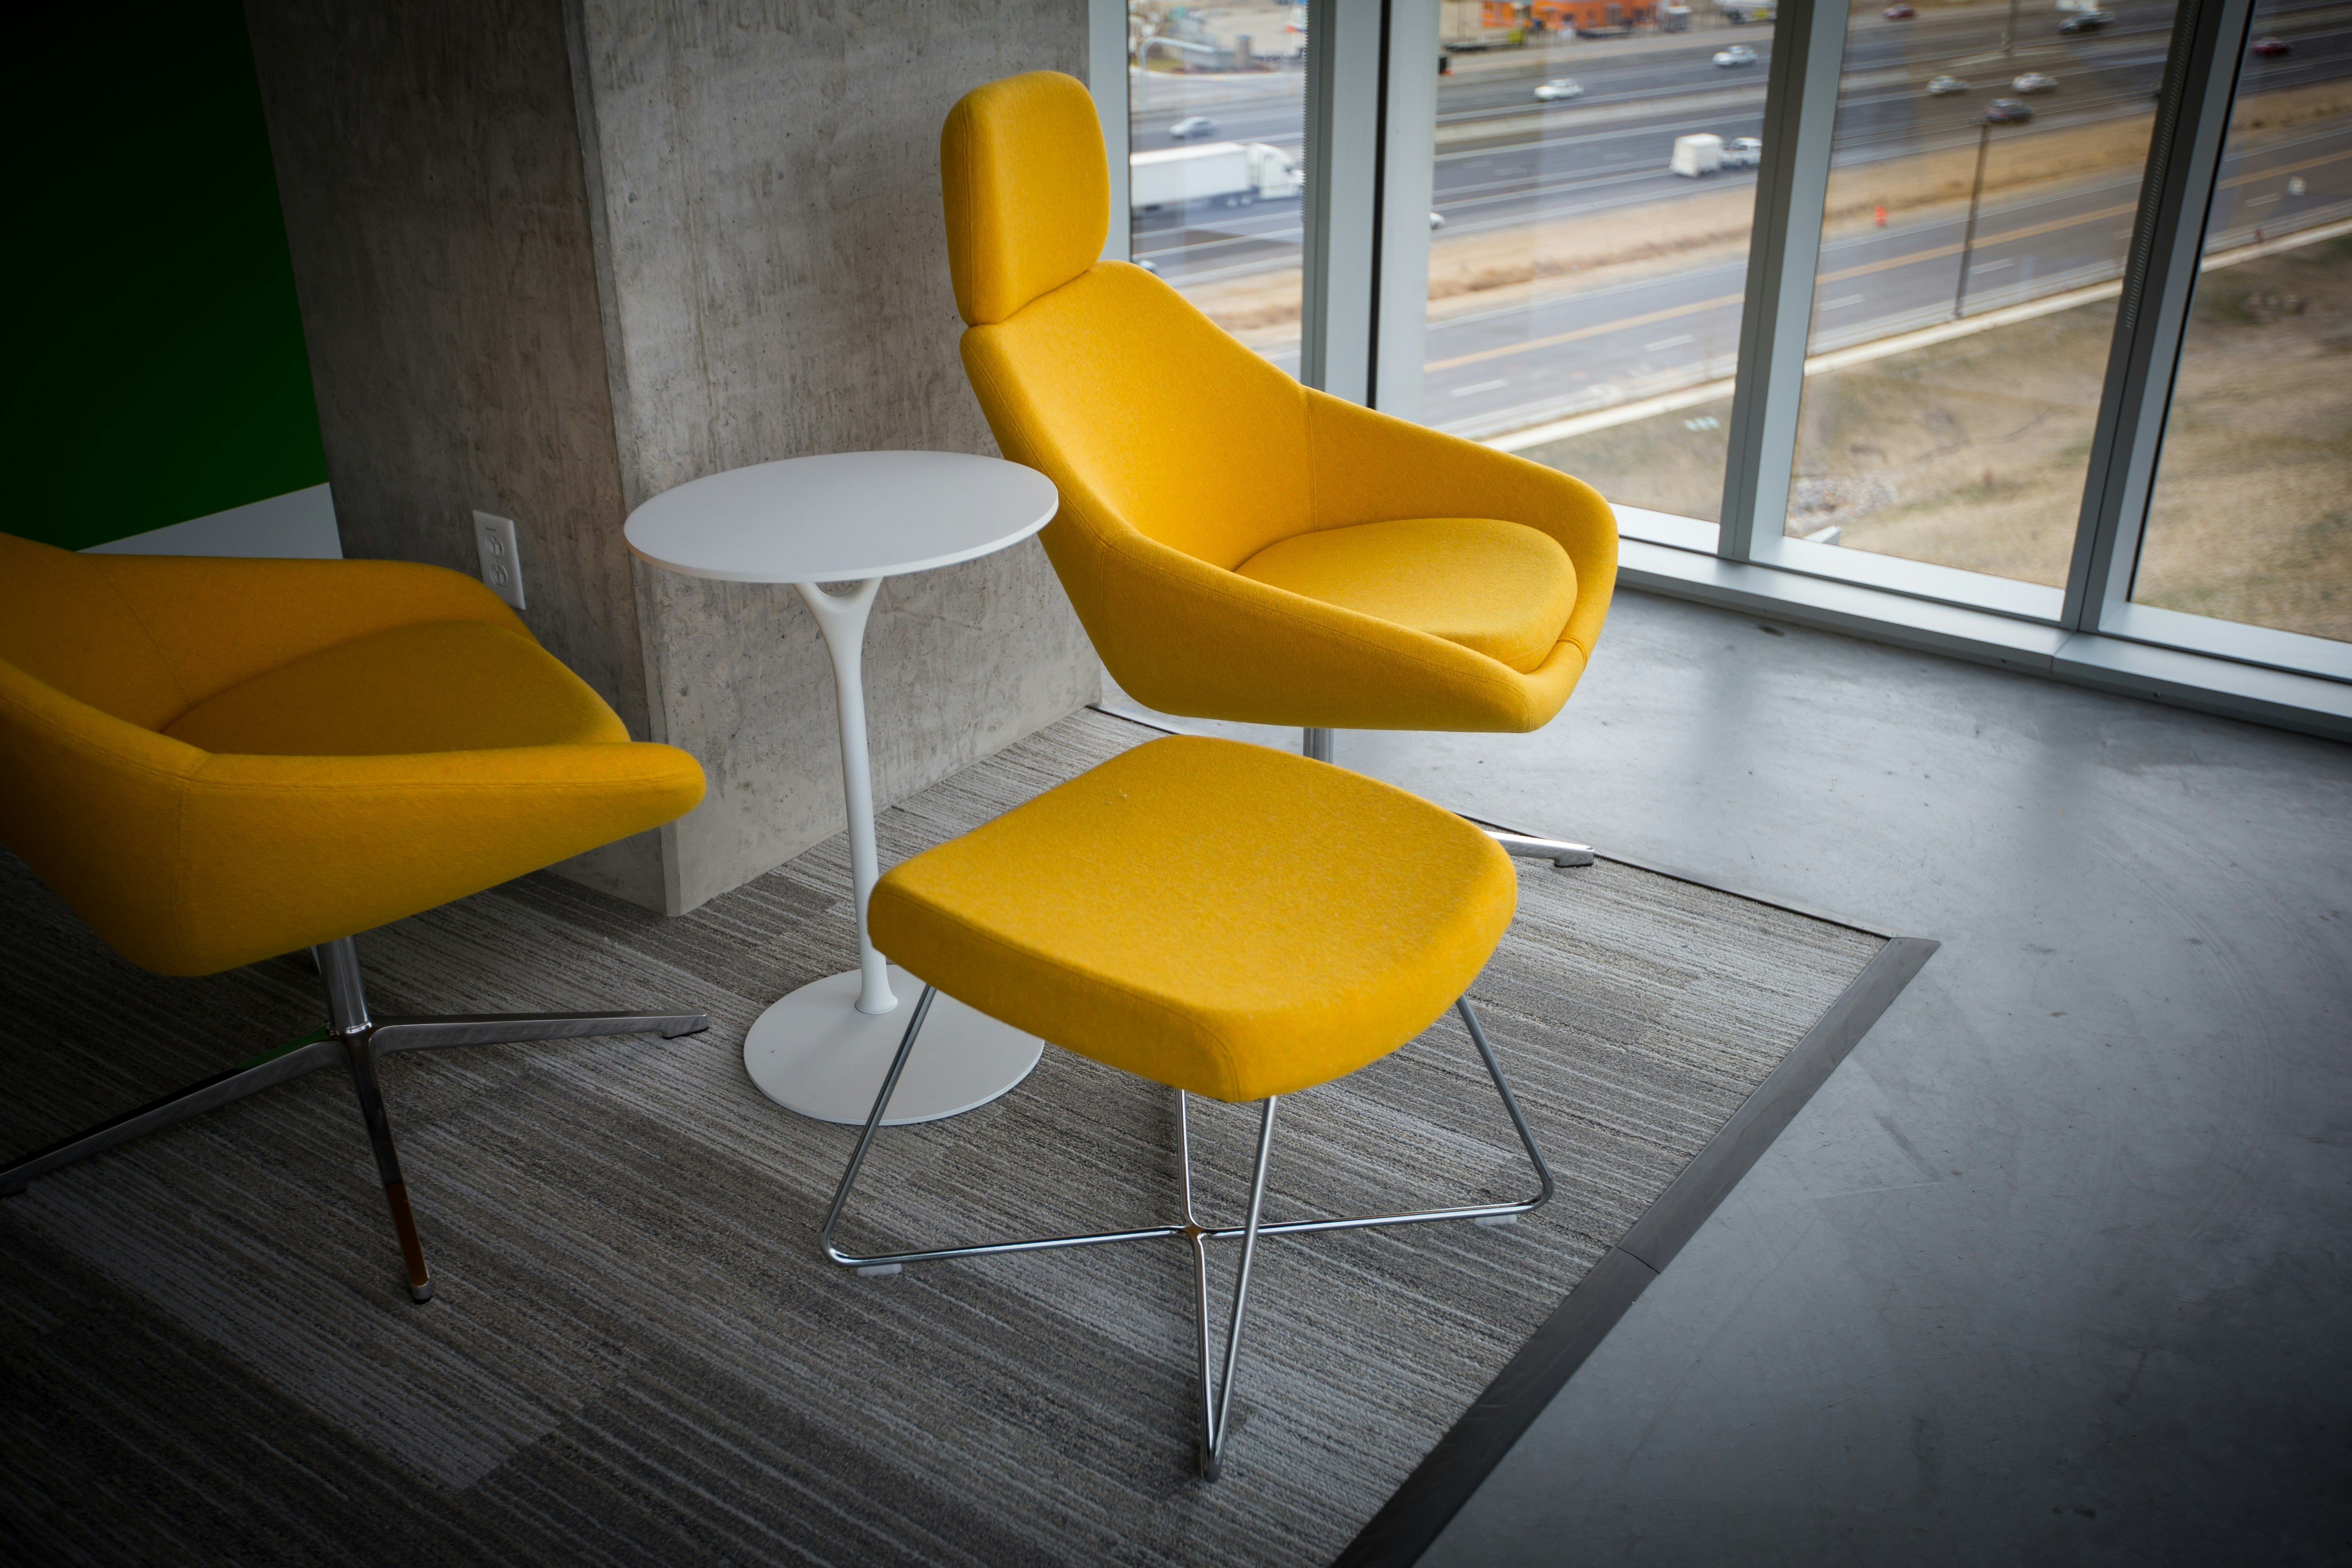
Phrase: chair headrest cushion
(1026, 188)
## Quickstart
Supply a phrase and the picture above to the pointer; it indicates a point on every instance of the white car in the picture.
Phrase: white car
(1945, 86)
(2035, 81)
(1737, 55)
(1557, 88)
(1436, 221)
(1192, 126)
(1742, 152)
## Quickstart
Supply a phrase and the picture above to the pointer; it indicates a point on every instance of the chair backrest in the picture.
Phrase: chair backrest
(63, 621)
(1145, 413)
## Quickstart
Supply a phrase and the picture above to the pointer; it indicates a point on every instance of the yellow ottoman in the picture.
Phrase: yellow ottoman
(1229, 920)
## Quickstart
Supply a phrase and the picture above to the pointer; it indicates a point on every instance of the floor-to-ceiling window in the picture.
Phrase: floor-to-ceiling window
(2251, 520)
(1593, 192)
(1986, 174)
(2022, 319)
(1216, 114)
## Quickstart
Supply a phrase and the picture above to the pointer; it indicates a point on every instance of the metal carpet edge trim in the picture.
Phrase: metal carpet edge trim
(1452, 1471)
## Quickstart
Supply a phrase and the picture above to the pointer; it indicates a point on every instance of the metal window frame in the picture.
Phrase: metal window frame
(1340, 257)
(1408, 182)
(2200, 82)
(1106, 80)
(1801, 104)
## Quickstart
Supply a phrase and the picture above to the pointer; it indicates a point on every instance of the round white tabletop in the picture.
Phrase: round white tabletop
(842, 517)
(856, 517)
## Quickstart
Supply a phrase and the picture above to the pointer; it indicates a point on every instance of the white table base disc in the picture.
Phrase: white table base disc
(815, 1053)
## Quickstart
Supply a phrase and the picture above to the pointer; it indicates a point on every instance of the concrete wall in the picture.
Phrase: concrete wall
(428, 161)
(556, 255)
(775, 277)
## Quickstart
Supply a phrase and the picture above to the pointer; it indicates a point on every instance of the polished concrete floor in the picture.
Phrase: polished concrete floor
(2057, 1268)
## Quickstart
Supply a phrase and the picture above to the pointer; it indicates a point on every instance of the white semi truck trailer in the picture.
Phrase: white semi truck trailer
(1223, 174)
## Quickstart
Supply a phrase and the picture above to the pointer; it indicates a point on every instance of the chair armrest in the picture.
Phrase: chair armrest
(221, 621)
(1367, 466)
(188, 862)
(283, 852)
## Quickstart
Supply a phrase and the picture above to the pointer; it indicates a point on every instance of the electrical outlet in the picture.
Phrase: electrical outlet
(501, 557)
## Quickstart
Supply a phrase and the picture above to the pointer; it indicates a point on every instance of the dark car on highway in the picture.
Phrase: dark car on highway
(2087, 22)
(2271, 49)
(2007, 111)
(1901, 13)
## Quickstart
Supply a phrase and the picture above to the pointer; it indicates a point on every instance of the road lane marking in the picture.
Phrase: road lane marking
(1932, 253)
(1668, 344)
(1936, 252)
(1478, 387)
(1994, 266)
(1910, 258)
(1843, 302)
(1581, 332)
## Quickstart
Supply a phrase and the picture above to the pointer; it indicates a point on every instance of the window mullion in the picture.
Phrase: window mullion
(1784, 249)
(2200, 82)
(1340, 252)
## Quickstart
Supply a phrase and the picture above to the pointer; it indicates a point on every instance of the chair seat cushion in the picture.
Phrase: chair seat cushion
(1502, 589)
(1228, 920)
(444, 686)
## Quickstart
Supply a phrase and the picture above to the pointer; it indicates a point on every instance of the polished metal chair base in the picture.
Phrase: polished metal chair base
(356, 1040)
(1317, 745)
(1216, 1390)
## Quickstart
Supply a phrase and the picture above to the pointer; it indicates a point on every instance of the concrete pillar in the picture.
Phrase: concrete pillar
(556, 255)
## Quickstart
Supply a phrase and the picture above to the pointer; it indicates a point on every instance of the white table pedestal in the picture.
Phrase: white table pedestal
(815, 1053)
(856, 517)
(824, 1049)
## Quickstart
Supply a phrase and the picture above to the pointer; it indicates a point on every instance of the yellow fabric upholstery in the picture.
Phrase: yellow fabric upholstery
(1496, 588)
(444, 685)
(1027, 191)
(1182, 455)
(194, 858)
(1202, 914)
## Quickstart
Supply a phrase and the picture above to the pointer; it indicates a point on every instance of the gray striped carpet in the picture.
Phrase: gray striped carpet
(636, 1355)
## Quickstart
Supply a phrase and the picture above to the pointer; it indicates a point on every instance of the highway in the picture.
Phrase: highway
(1503, 161)
(1508, 369)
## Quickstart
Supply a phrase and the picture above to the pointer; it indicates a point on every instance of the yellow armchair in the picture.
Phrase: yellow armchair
(1239, 546)
(218, 760)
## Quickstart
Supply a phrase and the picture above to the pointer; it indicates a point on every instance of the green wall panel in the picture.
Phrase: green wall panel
(161, 374)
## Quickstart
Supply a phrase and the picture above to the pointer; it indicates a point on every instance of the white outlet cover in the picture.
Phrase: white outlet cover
(494, 537)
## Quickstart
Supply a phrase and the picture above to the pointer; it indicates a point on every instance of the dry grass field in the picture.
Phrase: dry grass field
(1972, 453)
(2252, 515)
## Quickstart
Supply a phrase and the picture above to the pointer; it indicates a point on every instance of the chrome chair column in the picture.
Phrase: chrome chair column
(1217, 1393)
(1317, 744)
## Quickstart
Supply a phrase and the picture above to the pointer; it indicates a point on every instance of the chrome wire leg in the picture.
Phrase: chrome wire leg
(866, 1142)
(1217, 1393)
(890, 1262)
(1316, 743)
(1560, 852)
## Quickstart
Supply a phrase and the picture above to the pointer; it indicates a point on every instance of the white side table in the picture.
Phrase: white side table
(856, 517)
